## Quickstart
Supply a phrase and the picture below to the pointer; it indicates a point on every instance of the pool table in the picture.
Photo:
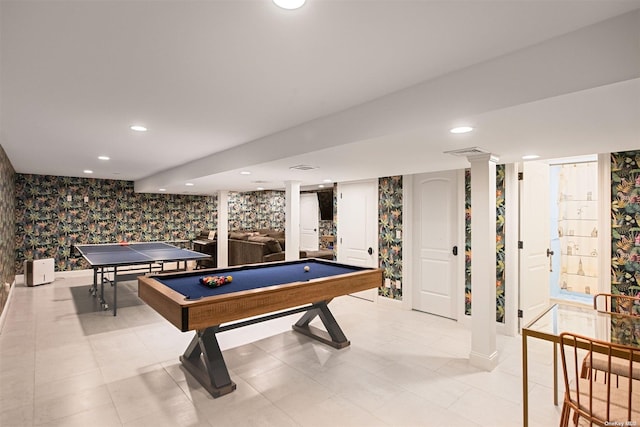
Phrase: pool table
(269, 290)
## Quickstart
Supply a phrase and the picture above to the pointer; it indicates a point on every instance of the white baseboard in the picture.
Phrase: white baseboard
(74, 273)
(488, 362)
(5, 309)
(390, 302)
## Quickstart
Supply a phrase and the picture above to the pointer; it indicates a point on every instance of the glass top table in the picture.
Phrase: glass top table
(559, 318)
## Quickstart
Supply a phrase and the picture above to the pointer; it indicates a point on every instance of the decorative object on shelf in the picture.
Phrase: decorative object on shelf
(569, 249)
(594, 253)
(589, 195)
(564, 284)
(580, 270)
(559, 231)
(594, 232)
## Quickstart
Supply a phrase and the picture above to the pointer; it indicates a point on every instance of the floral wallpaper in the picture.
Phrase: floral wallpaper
(500, 211)
(467, 242)
(53, 213)
(625, 330)
(257, 210)
(7, 226)
(625, 222)
(390, 234)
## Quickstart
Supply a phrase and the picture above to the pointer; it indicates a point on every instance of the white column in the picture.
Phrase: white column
(223, 228)
(292, 221)
(483, 261)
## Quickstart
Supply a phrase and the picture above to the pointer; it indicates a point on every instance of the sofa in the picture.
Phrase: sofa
(244, 247)
(250, 247)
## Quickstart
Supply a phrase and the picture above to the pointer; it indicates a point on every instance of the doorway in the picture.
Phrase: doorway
(435, 243)
(574, 229)
(309, 209)
(357, 227)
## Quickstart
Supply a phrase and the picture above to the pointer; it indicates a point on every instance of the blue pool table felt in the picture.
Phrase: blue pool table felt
(253, 277)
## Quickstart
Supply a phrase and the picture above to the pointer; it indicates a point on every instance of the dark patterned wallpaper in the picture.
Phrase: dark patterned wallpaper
(500, 210)
(625, 223)
(7, 226)
(53, 213)
(257, 210)
(390, 234)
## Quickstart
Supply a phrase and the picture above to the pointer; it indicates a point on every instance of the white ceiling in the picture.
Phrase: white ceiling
(357, 89)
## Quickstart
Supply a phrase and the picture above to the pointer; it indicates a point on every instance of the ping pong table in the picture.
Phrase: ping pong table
(130, 259)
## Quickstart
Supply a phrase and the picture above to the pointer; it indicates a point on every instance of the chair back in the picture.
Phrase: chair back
(596, 402)
(616, 303)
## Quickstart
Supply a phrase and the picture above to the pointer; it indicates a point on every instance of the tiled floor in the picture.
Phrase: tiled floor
(63, 362)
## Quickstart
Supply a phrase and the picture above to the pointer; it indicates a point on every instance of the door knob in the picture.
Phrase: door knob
(549, 253)
(455, 251)
(370, 251)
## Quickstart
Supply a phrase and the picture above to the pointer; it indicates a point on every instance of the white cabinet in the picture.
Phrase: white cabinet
(39, 271)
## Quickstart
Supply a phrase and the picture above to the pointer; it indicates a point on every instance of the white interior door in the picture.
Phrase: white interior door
(309, 222)
(436, 224)
(534, 235)
(357, 227)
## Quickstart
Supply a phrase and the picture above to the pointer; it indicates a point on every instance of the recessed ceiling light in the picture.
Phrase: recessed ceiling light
(327, 181)
(87, 171)
(461, 129)
(138, 128)
(103, 157)
(260, 188)
(189, 184)
(530, 157)
(162, 189)
(289, 4)
(321, 186)
(245, 173)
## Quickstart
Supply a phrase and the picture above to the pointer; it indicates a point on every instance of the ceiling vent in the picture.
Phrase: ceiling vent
(303, 167)
(464, 152)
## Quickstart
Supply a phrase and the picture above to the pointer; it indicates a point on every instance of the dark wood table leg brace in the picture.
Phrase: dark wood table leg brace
(333, 336)
(210, 370)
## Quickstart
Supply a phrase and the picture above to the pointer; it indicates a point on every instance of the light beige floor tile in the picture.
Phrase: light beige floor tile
(18, 414)
(333, 411)
(63, 361)
(101, 416)
(69, 385)
(153, 392)
(54, 409)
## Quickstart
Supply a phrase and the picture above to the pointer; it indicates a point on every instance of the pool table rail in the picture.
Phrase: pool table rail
(209, 311)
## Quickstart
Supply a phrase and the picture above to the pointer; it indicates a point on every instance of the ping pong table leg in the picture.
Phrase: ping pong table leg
(93, 290)
(115, 290)
(101, 286)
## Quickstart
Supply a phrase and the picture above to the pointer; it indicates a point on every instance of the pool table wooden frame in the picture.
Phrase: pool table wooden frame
(206, 315)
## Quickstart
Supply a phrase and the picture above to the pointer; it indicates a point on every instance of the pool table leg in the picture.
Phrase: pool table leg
(210, 370)
(333, 336)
